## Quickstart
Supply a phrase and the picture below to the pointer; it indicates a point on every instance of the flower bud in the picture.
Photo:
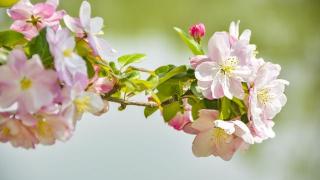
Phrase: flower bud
(197, 31)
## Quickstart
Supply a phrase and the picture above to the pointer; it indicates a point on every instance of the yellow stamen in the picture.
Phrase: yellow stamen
(219, 135)
(25, 84)
(67, 53)
(43, 128)
(34, 20)
(82, 103)
(264, 96)
(229, 65)
(5, 131)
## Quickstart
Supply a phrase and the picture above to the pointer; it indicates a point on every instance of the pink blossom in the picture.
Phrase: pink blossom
(78, 102)
(90, 28)
(217, 137)
(103, 85)
(266, 99)
(71, 68)
(30, 19)
(13, 131)
(197, 31)
(53, 126)
(26, 83)
(227, 66)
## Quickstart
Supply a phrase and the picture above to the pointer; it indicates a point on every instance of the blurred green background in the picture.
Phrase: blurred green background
(286, 32)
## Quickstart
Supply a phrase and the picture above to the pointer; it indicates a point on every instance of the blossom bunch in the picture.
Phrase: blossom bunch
(55, 67)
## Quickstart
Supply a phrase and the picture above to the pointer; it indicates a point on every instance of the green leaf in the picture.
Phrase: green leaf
(130, 58)
(172, 73)
(195, 90)
(196, 108)
(148, 111)
(83, 48)
(90, 69)
(170, 111)
(211, 104)
(161, 71)
(244, 118)
(11, 39)
(40, 46)
(225, 108)
(190, 42)
(114, 68)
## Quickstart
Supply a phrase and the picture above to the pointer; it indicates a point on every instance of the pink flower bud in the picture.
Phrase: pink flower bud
(197, 31)
(103, 85)
(180, 120)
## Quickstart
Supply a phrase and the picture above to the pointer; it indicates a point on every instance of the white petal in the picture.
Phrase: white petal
(72, 24)
(96, 25)
(85, 14)
(234, 29)
(219, 47)
(243, 131)
(206, 71)
(228, 127)
(245, 36)
(225, 83)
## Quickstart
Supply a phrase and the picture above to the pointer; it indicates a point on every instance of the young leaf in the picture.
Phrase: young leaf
(170, 110)
(11, 39)
(225, 108)
(40, 46)
(190, 42)
(130, 58)
(90, 69)
(148, 111)
(161, 71)
(173, 72)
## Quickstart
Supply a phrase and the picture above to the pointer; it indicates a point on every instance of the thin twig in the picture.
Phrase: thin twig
(133, 103)
(141, 69)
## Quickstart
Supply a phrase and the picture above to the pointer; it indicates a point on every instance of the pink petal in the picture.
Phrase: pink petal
(219, 47)
(203, 144)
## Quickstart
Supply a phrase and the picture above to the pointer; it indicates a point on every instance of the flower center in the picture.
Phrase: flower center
(43, 127)
(5, 131)
(67, 53)
(219, 135)
(82, 103)
(229, 65)
(34, 20)
(25, 84)
(264, 96)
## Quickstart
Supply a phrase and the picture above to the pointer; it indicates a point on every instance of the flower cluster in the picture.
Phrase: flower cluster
(43, 104)
(231, 74)
(50, 75)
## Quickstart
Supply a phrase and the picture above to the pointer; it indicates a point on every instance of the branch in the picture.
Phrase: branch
(133, 103)
(141, 69)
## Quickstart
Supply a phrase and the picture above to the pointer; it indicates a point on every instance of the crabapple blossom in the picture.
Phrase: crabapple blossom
(26, 83)
(29, 19)
(78, 101)
(266, 98)
(217, 137)
(89, 29)
(226, 66)
(14, 131)
(53, 126)
(71, 68)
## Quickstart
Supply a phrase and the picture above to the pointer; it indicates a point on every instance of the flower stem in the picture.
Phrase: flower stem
(133, 103)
